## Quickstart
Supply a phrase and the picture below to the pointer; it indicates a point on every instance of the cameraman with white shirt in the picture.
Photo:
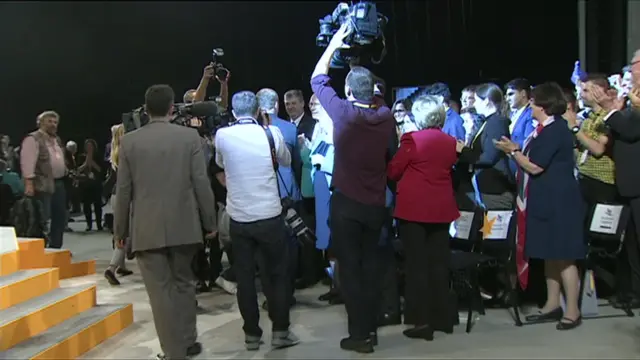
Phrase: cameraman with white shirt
(244, 151)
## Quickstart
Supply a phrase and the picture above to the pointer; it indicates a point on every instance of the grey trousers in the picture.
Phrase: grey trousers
(117, 258)
(167, 277)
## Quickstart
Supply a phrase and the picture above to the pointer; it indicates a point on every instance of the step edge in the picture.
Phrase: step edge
(79, 288)
(40, 272)
(116, 308)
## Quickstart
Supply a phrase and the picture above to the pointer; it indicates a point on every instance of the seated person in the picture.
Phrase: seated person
(12, 179)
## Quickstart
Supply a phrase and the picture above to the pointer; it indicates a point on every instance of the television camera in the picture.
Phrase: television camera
(204, 116)
(365, 39)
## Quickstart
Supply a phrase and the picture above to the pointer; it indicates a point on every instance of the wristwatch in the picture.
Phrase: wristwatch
(575, 130)
(513, 153)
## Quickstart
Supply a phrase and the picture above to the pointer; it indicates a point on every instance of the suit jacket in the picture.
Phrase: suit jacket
(163, 182)
(422, 167)
(288, 182)
(625, 128)
(523, 126)
(488, 164)
(306, 125)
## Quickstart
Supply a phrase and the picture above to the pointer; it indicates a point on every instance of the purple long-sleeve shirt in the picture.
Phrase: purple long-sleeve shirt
(361, 133)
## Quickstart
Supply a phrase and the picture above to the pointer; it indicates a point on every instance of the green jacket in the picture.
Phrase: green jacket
(306, 186)
(15, 183)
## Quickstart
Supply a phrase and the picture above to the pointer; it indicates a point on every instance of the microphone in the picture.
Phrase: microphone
(202, 108)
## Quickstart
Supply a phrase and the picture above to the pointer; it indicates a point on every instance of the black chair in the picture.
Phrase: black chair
(605, 229)
(501, 249)
(466, 260)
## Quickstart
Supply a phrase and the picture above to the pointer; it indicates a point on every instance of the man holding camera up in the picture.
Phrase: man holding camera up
(357, 212)
(249, 153)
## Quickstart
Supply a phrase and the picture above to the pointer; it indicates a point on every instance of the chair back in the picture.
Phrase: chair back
(467, 227)
(606, 225)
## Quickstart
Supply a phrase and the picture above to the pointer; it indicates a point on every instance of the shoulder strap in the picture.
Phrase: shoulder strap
(272, 151)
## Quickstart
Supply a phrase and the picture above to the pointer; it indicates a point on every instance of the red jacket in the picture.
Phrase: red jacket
(422, 166)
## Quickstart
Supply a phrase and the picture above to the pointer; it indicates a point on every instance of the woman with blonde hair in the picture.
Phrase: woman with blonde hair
(117, 264)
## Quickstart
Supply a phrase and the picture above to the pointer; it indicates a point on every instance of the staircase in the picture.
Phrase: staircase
(38, 318)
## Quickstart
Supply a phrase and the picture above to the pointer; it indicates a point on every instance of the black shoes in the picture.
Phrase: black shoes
(360, 346)
(553, 315)
(111, 278)
(124, 272)
(194, 349)
(424, 332)
(568, 324)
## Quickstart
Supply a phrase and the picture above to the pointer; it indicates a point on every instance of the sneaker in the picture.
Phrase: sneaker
(228, 286)
(284, 339)
(252, 343)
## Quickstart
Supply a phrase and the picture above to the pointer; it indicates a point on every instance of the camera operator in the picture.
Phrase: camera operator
(249, 155)
(362, 126)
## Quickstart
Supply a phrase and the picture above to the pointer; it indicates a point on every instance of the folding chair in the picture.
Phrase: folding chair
(605, 229)
(465, 259)
(498, 242)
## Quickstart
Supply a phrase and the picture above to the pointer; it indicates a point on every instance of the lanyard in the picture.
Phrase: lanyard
(245, 120)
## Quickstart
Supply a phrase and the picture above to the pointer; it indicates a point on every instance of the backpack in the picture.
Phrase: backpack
(28, 218)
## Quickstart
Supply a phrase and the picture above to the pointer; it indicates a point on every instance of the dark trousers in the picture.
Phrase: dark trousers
(54, 207)
(427, 257)
(355, 237)
(265, 239)
(73, 196)
(92, 196)
(309, 259)
(215, 261)
(389, 295)
(628, 274)
(167, 276)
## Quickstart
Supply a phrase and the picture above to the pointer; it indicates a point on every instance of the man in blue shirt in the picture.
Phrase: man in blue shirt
(362, 125)
(453, 124)
(268, 103)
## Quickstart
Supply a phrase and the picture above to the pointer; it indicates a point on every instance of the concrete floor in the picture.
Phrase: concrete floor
(320, 327)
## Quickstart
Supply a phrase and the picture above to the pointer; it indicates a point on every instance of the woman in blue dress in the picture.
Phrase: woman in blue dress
(550, 207)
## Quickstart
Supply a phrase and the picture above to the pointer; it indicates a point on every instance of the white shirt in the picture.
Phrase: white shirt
(322, 132)
(243, 152)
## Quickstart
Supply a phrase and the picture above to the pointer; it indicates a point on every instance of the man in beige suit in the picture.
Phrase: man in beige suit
(163, 185)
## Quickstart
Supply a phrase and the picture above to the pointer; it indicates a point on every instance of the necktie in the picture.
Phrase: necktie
(539, 128)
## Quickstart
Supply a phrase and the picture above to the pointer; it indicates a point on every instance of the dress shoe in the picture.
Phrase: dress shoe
(336, 300)
(327, 296)
(419, 332)
(553, 315)
(360, 346)
(568, 324)
(194, 349)
(124, 272)
(111, 277)
(388, 319)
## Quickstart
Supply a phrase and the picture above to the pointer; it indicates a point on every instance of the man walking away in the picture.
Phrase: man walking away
(249, 154)
(172, 202)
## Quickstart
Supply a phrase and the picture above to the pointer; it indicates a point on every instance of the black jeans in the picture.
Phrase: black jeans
(427, 257)
(215, 262)
(355, 237)
(92, 196)
(264, 239)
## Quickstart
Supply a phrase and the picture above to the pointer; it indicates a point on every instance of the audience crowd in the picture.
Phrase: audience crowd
(383, 189)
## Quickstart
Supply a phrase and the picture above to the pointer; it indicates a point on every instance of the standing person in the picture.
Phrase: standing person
(44, 171)
(164, 163)
(250, 154)
(362, 127)
(90, 182)
(117, 264)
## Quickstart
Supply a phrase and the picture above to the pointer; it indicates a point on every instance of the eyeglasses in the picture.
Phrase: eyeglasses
(399, 111)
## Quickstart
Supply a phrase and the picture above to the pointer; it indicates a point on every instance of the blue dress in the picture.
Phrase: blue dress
(555, 214)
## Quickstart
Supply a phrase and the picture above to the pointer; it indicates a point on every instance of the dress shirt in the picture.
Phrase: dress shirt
(243, 151)
(297, 120)
(29, 157)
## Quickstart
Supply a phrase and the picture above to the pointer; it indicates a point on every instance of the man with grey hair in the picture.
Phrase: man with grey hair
(363, 126)
(249, 154)
(44, 170)
(429, 112)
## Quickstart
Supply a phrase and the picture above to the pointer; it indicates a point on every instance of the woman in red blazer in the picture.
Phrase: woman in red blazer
(425, 207)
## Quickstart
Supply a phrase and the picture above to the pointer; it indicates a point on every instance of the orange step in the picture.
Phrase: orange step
(30, 318)
(51, 258)
(24, 285)
(9, 263)
(77, 269)
(76, 336)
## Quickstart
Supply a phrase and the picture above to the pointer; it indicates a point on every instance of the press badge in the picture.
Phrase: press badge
(583, 157)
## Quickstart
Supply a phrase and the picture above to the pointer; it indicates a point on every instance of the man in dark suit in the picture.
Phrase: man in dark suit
(294, 104)
(625, 129)
(164, 163)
